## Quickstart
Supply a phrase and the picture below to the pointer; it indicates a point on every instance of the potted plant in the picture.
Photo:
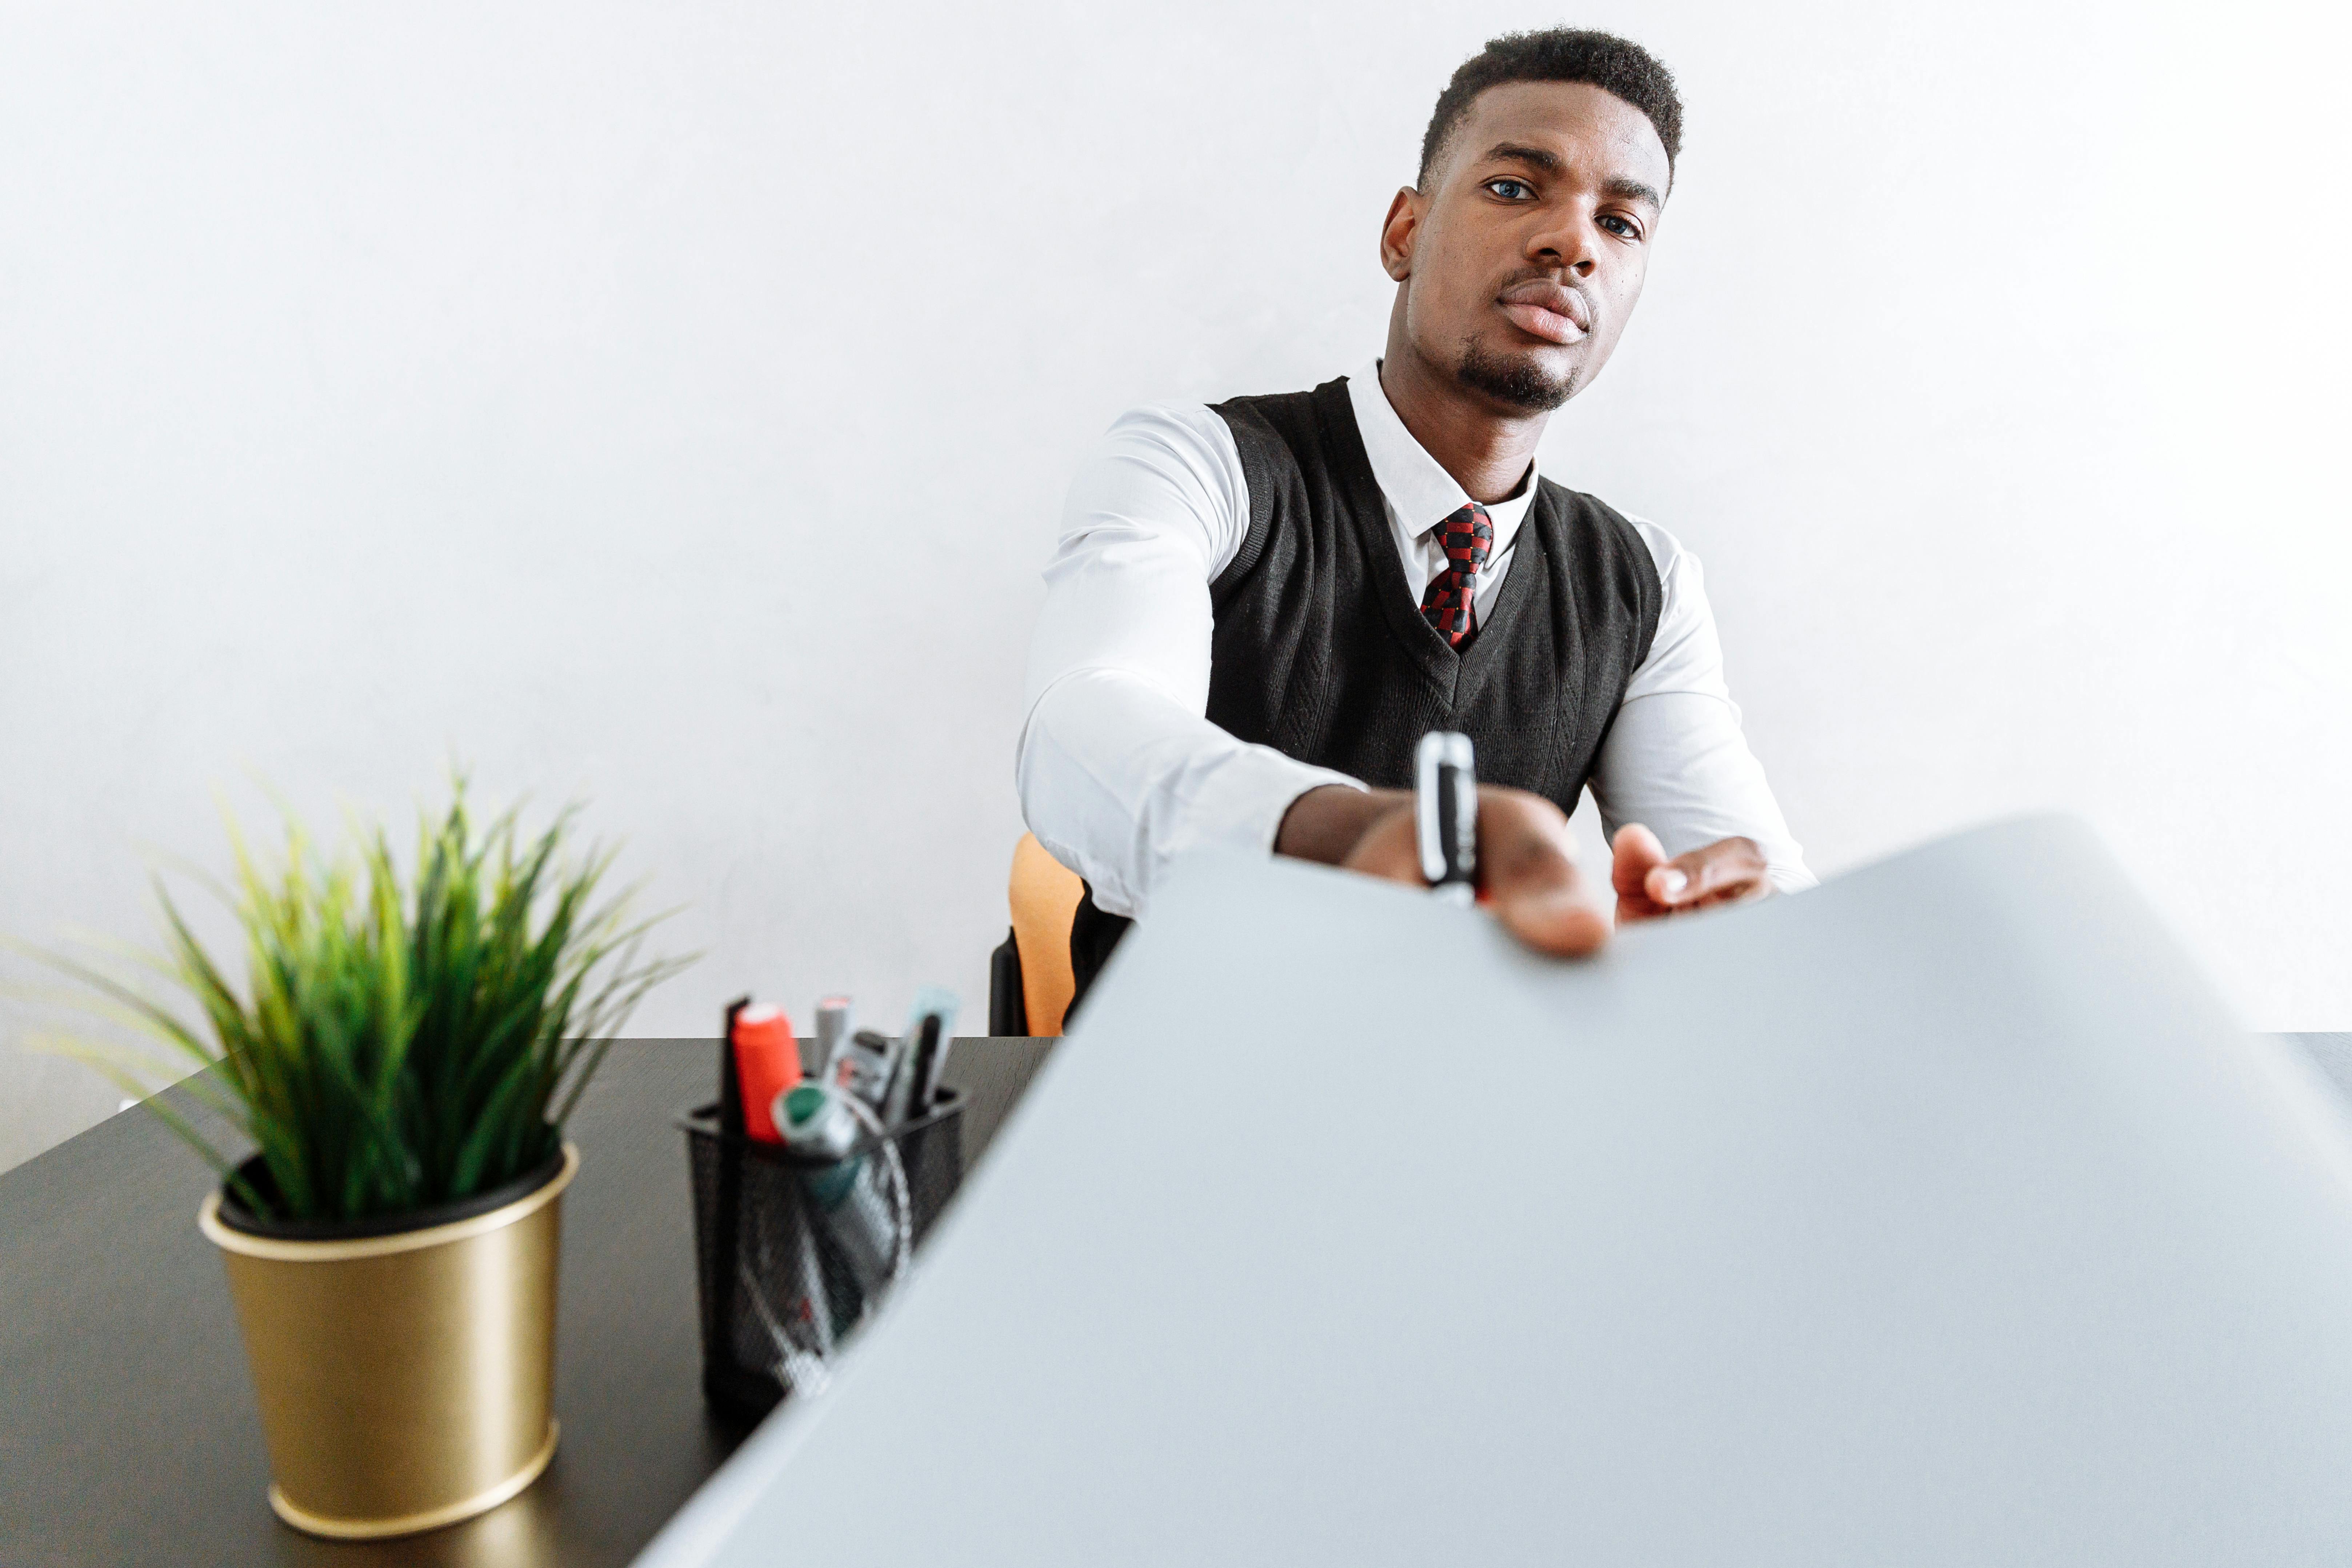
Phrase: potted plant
(401, 1057)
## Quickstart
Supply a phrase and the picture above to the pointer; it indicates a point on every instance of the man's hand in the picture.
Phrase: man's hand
(1728, 872)
(1527, 868)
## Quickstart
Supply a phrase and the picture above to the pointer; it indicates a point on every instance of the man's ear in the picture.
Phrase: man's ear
(1398, 234)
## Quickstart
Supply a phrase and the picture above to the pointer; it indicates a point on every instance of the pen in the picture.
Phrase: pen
(924, 1053)
(730, 1196)
(931, 1059)
(730, 1081)
(866, 1065)
(831, 1034)
(1446, 814)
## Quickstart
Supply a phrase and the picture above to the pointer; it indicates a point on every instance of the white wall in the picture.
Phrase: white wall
(671, 407)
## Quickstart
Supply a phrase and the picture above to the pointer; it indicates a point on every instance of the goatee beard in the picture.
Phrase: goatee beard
(1516, 382)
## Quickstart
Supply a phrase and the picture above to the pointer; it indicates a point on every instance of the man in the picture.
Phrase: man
(1258, 608)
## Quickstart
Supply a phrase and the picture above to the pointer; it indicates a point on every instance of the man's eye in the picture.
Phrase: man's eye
(1511, 190)
(1623, 228)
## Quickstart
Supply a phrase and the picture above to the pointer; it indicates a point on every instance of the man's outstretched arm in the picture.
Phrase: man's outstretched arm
(1692, 820)
(1118, 771)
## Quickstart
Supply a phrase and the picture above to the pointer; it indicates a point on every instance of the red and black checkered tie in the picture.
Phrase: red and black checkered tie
(1465, 537)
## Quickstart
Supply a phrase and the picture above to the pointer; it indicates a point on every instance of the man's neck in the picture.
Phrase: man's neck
(1486, 452)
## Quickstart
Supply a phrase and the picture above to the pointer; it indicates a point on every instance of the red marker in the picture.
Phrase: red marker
(767, 1063)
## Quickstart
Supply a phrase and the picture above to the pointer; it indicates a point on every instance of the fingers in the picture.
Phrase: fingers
(1529, 873)
(1565, 922)
(1527, 870)
(1728, 871)
(1529, 878)
(1388, 847)
(1634, 856)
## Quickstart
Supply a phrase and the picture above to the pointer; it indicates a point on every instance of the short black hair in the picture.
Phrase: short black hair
(1614, 65)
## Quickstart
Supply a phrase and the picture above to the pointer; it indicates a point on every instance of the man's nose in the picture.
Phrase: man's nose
(1570, 243)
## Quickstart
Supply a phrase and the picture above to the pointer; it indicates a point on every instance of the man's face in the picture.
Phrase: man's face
(1522, 258)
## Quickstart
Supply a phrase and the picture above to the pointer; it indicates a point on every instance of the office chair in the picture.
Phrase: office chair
(1029, 978)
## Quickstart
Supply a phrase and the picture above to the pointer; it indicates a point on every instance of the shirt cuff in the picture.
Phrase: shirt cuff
(1117, 780)
(1236, 803)
(1241, 804)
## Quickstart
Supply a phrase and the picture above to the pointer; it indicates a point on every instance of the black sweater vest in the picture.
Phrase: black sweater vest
(1320, 650)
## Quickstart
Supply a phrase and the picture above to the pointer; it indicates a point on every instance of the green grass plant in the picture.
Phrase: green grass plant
(399, 1043)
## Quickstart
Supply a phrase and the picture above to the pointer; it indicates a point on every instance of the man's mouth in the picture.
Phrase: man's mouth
(1545, 310)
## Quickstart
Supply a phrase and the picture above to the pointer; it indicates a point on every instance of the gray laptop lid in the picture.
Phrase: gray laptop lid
(1937, 1215)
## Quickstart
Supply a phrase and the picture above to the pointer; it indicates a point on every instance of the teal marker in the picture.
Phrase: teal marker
(844, 1196)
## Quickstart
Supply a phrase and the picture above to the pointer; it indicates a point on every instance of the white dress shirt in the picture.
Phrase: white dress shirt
(1119, 771)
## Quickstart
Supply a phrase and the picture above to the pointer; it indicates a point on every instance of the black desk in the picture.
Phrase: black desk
(128, 1431)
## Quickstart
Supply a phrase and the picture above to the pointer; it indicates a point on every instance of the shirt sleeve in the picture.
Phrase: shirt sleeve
(1118, 770)
(1675, 760)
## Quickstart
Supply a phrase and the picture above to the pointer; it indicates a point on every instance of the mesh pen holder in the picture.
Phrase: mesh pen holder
(791, 1255)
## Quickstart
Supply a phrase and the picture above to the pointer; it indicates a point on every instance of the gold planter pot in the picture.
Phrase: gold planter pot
(406, 1380)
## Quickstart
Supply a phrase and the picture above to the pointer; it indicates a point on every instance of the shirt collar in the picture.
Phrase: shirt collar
(1416, 486)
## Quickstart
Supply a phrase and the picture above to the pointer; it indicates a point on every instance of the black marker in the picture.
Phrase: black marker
(1446, 814)
(924, 1055)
